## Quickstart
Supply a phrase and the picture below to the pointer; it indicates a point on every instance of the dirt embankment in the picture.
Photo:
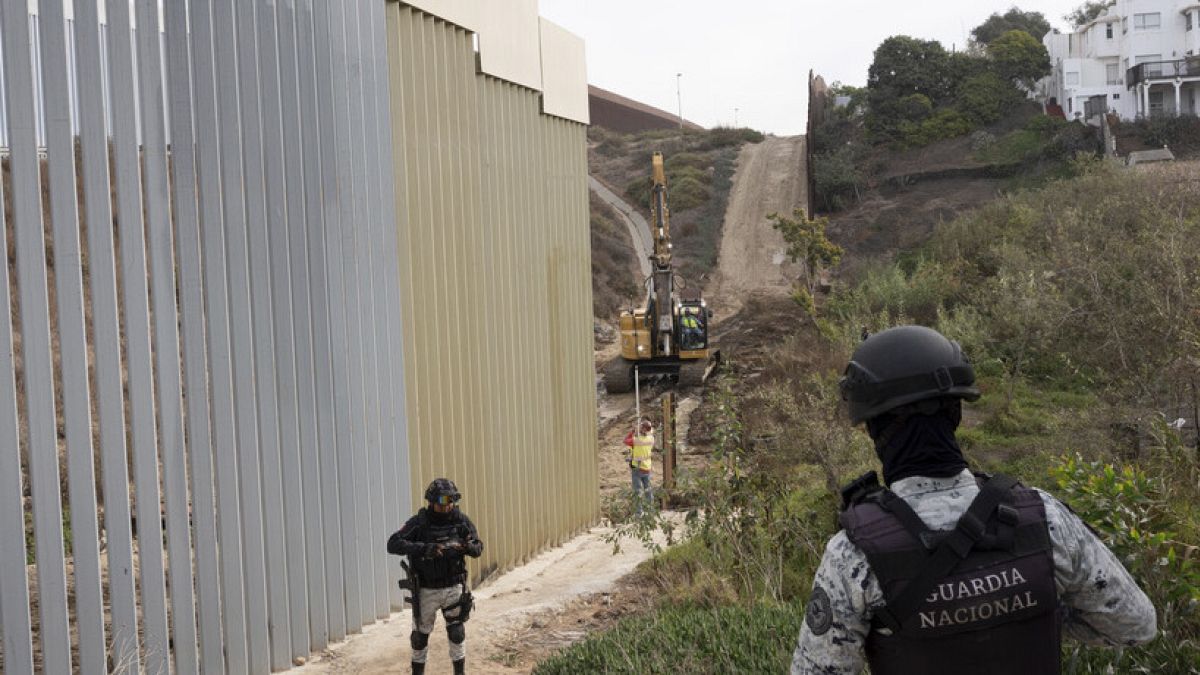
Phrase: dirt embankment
(770, 178)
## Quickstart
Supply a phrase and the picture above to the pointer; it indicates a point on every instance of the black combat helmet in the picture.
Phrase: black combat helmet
(904, 365)
(442, 487)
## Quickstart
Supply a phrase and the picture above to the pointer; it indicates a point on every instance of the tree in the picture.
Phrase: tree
(905, 66)
(807, 244)
(1019, 58)
(997, 24)
(1088, 11)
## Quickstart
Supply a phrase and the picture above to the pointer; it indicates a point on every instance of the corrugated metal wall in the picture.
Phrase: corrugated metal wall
(214, 326)
(492, 216)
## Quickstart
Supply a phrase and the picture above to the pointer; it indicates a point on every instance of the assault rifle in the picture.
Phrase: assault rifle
(412, 583)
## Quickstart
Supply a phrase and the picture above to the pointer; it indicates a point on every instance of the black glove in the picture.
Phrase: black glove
(432, 550)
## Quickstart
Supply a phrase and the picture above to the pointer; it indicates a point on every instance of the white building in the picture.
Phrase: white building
(1139, 58)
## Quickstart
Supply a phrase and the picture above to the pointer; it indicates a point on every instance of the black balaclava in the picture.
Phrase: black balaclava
(918, 440)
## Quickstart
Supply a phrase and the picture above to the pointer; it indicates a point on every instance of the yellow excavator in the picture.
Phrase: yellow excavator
(669, 335)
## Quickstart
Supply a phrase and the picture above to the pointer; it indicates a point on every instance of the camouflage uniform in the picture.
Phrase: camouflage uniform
(1104, 606)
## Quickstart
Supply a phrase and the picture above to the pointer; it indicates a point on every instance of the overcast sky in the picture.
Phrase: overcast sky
(755, 55)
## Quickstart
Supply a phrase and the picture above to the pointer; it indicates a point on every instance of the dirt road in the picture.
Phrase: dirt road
(504, 608)
(639, 229)
(769, 179)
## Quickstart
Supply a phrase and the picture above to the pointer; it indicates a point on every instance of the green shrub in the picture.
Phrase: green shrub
(686, 193)
(1132, 509)
(837, 179)
(914, 107)
(804, 300)
(688, 160)
(724, 137)
(945, 123)
(757, 638)
(985, 98)
(1169, 131)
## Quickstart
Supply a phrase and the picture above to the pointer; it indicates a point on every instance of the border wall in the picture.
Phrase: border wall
(270, 269)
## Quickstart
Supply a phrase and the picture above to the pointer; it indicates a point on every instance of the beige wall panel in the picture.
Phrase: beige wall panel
(495, 293)
(465, 13)
(508, 41)
(564, 73)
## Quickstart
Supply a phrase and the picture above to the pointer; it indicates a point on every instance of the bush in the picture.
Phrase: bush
(724, 137)
(686, 193)
(1134, 510)
(1169, 131)
(984, 99)
(688, 160)
(735, 639)
(837, 179)
(945, 123)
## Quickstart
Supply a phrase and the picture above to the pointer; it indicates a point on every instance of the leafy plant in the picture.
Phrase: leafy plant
(807, 244)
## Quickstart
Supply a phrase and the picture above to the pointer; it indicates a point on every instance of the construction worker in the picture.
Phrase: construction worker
(689, 322)
(641, 443)
(947, 571)
(435, 541)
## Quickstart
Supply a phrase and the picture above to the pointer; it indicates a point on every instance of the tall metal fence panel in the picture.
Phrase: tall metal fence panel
(203, 433)
(492, 215)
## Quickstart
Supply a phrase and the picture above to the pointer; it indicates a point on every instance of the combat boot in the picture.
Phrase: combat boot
(460, 667)
(418, 668)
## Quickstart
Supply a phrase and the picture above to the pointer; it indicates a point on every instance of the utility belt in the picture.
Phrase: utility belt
(444, 583)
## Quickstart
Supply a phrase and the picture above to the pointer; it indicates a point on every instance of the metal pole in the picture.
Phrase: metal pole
(669, 442)
(637, 401)
(735, 121)
(679, 98)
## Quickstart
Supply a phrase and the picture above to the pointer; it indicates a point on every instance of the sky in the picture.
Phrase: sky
(754, 55)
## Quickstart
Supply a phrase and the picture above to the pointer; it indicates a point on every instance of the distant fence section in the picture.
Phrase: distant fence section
(256, 252)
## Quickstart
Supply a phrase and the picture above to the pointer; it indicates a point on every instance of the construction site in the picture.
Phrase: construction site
(288, 281)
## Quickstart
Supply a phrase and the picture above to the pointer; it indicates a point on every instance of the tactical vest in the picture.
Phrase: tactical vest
(449, 569)
(983, 599)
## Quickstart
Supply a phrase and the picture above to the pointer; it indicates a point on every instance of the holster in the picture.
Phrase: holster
(466, 603)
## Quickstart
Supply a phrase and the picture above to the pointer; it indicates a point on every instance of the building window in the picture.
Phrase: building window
(1112, 72)
(1108, 31)
(1124, 25)
(1187, 20)
(1116, 97)
(1150, 21)
(1073, 79)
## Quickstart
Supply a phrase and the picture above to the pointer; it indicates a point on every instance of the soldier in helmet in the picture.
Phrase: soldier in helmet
(946, 571)
(435, 540)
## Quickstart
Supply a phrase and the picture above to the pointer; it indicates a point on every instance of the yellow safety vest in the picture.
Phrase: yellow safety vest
(641, 451)
(690, 322)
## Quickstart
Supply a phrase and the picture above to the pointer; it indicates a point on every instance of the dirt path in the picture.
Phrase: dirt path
(639, 229)
(769, 179)
(504, 608)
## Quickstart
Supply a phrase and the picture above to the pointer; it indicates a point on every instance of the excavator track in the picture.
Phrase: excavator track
(618, 376)
(692, 373)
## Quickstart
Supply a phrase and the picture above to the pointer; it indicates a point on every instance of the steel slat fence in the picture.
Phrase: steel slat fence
(195, 351)
(232, 288)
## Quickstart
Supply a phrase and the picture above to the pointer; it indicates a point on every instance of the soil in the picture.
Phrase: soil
(752, 259)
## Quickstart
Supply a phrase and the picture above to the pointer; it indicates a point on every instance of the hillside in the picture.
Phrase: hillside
(700, 167)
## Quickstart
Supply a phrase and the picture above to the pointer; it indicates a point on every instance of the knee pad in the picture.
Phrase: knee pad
(457, 632)
(418, 640)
